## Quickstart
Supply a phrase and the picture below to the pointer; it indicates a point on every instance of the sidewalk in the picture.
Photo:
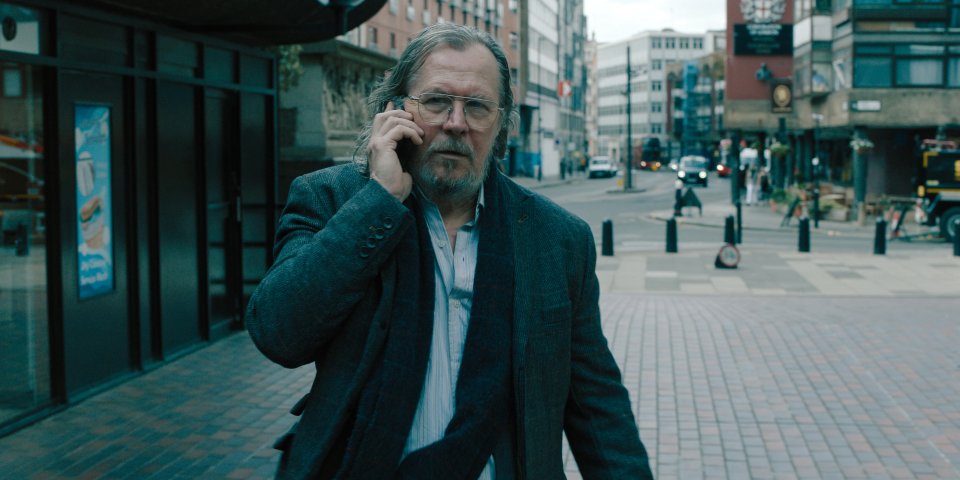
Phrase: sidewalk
(794, 365)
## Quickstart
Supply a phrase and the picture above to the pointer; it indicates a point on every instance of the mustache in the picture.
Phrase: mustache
(450, 145)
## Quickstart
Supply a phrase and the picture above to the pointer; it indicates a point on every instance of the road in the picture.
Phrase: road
(635, 230)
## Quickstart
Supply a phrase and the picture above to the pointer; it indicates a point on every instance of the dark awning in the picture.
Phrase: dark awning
(258, 22)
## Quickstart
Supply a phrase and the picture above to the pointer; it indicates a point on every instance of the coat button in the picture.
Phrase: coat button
(387, 222)
(379, 233)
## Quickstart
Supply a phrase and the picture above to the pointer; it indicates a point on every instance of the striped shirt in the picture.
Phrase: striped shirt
(453, 299)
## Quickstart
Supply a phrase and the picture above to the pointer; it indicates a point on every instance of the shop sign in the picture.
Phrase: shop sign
(865, 105)
(766, 39)
(781, 96)
(94, 204)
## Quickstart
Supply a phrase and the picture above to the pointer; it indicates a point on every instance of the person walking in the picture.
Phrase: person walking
(452, 316)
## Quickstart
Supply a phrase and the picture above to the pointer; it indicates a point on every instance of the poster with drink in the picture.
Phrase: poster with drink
(94, 216)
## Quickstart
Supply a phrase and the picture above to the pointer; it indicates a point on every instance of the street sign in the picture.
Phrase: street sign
(865, 105)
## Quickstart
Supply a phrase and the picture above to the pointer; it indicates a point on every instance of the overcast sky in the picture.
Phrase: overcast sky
(614, 20)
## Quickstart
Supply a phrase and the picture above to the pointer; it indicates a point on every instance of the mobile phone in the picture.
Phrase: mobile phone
(405, 146)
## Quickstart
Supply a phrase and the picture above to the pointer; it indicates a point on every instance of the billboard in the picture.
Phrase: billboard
(94, 204)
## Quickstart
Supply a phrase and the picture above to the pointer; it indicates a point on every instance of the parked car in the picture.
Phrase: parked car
(601, 167)
(693, 169)
(724, 170)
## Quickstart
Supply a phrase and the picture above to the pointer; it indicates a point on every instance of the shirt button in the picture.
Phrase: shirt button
(442, 244)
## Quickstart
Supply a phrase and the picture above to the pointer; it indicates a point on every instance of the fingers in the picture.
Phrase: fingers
(390, 128)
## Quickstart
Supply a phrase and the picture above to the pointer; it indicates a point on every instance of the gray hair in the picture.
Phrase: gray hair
(396, 81)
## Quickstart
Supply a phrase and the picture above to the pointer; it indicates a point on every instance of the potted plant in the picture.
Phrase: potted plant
(779, 150)
(861, 145)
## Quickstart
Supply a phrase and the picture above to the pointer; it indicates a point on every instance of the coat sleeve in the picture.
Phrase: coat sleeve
(598, 419)
(330, 247)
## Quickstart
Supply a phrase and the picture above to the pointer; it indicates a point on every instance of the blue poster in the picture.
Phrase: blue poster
(94, 212)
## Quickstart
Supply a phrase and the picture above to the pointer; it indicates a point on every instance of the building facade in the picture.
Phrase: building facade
(591, 100)
(696, 90)
(884, 71)
(138, 185)
(323, 114)
(540, 105)
(572, 86)
(651, 53)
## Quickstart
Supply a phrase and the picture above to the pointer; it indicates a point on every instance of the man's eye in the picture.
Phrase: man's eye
(479, 107)
(436, 102)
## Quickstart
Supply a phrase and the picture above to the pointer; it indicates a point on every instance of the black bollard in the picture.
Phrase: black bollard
(728, 234)
(956, 238)
(607, 238)
(880, 237)
(804, 244)
(22, 241)
(672, 235)
(739, 224)
(678, 203)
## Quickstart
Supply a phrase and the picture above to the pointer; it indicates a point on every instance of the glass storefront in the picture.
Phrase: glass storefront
(24, 346)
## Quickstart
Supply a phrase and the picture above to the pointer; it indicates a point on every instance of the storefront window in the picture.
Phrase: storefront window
(24, 352)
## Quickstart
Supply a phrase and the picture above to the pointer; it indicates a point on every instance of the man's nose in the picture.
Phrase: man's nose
(456, 119)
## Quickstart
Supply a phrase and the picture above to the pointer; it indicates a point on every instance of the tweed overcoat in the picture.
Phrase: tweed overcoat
(326, 300)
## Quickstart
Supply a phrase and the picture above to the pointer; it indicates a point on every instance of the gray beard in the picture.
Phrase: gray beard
(443, 188)
(436, 187)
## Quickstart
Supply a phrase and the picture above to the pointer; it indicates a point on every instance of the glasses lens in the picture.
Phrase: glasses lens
(435, 108)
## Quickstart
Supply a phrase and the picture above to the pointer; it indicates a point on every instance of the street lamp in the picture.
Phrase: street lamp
(628, 177)
(817, 118)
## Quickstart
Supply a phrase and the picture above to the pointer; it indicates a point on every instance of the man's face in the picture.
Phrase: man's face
(454, 157)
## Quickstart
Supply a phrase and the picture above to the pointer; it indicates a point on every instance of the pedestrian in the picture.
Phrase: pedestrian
(452, 316)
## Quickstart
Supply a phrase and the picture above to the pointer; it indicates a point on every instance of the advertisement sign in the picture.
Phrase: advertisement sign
(94, 212)
(762, 39)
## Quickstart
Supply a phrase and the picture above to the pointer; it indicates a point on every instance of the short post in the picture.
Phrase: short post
(739, 224)
(956, 238)
(728, 234)
(880, 237)
(816, 207)
(804, 243)
(607, 249)
(678, 202)
(672, 235)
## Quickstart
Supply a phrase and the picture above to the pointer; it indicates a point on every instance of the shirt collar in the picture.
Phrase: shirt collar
(481, 201)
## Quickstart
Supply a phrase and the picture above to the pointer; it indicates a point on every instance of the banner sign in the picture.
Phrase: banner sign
(94, 212)
(762, 39)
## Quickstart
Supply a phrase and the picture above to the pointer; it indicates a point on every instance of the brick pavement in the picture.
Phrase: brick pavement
(792, 387)
(213, 413)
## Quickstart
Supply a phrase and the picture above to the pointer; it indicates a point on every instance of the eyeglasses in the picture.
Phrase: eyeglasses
(435, 109)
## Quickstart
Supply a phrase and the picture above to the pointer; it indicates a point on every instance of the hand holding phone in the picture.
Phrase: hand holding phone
(391, 148)
(405, 146)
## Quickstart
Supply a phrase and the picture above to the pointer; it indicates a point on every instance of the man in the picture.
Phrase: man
(452, 315)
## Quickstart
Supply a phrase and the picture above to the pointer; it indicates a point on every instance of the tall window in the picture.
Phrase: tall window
(912, 65)
(24, 352)
(953, 67)
(922, 67)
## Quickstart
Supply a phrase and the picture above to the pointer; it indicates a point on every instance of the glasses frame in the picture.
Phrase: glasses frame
(496, 114)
